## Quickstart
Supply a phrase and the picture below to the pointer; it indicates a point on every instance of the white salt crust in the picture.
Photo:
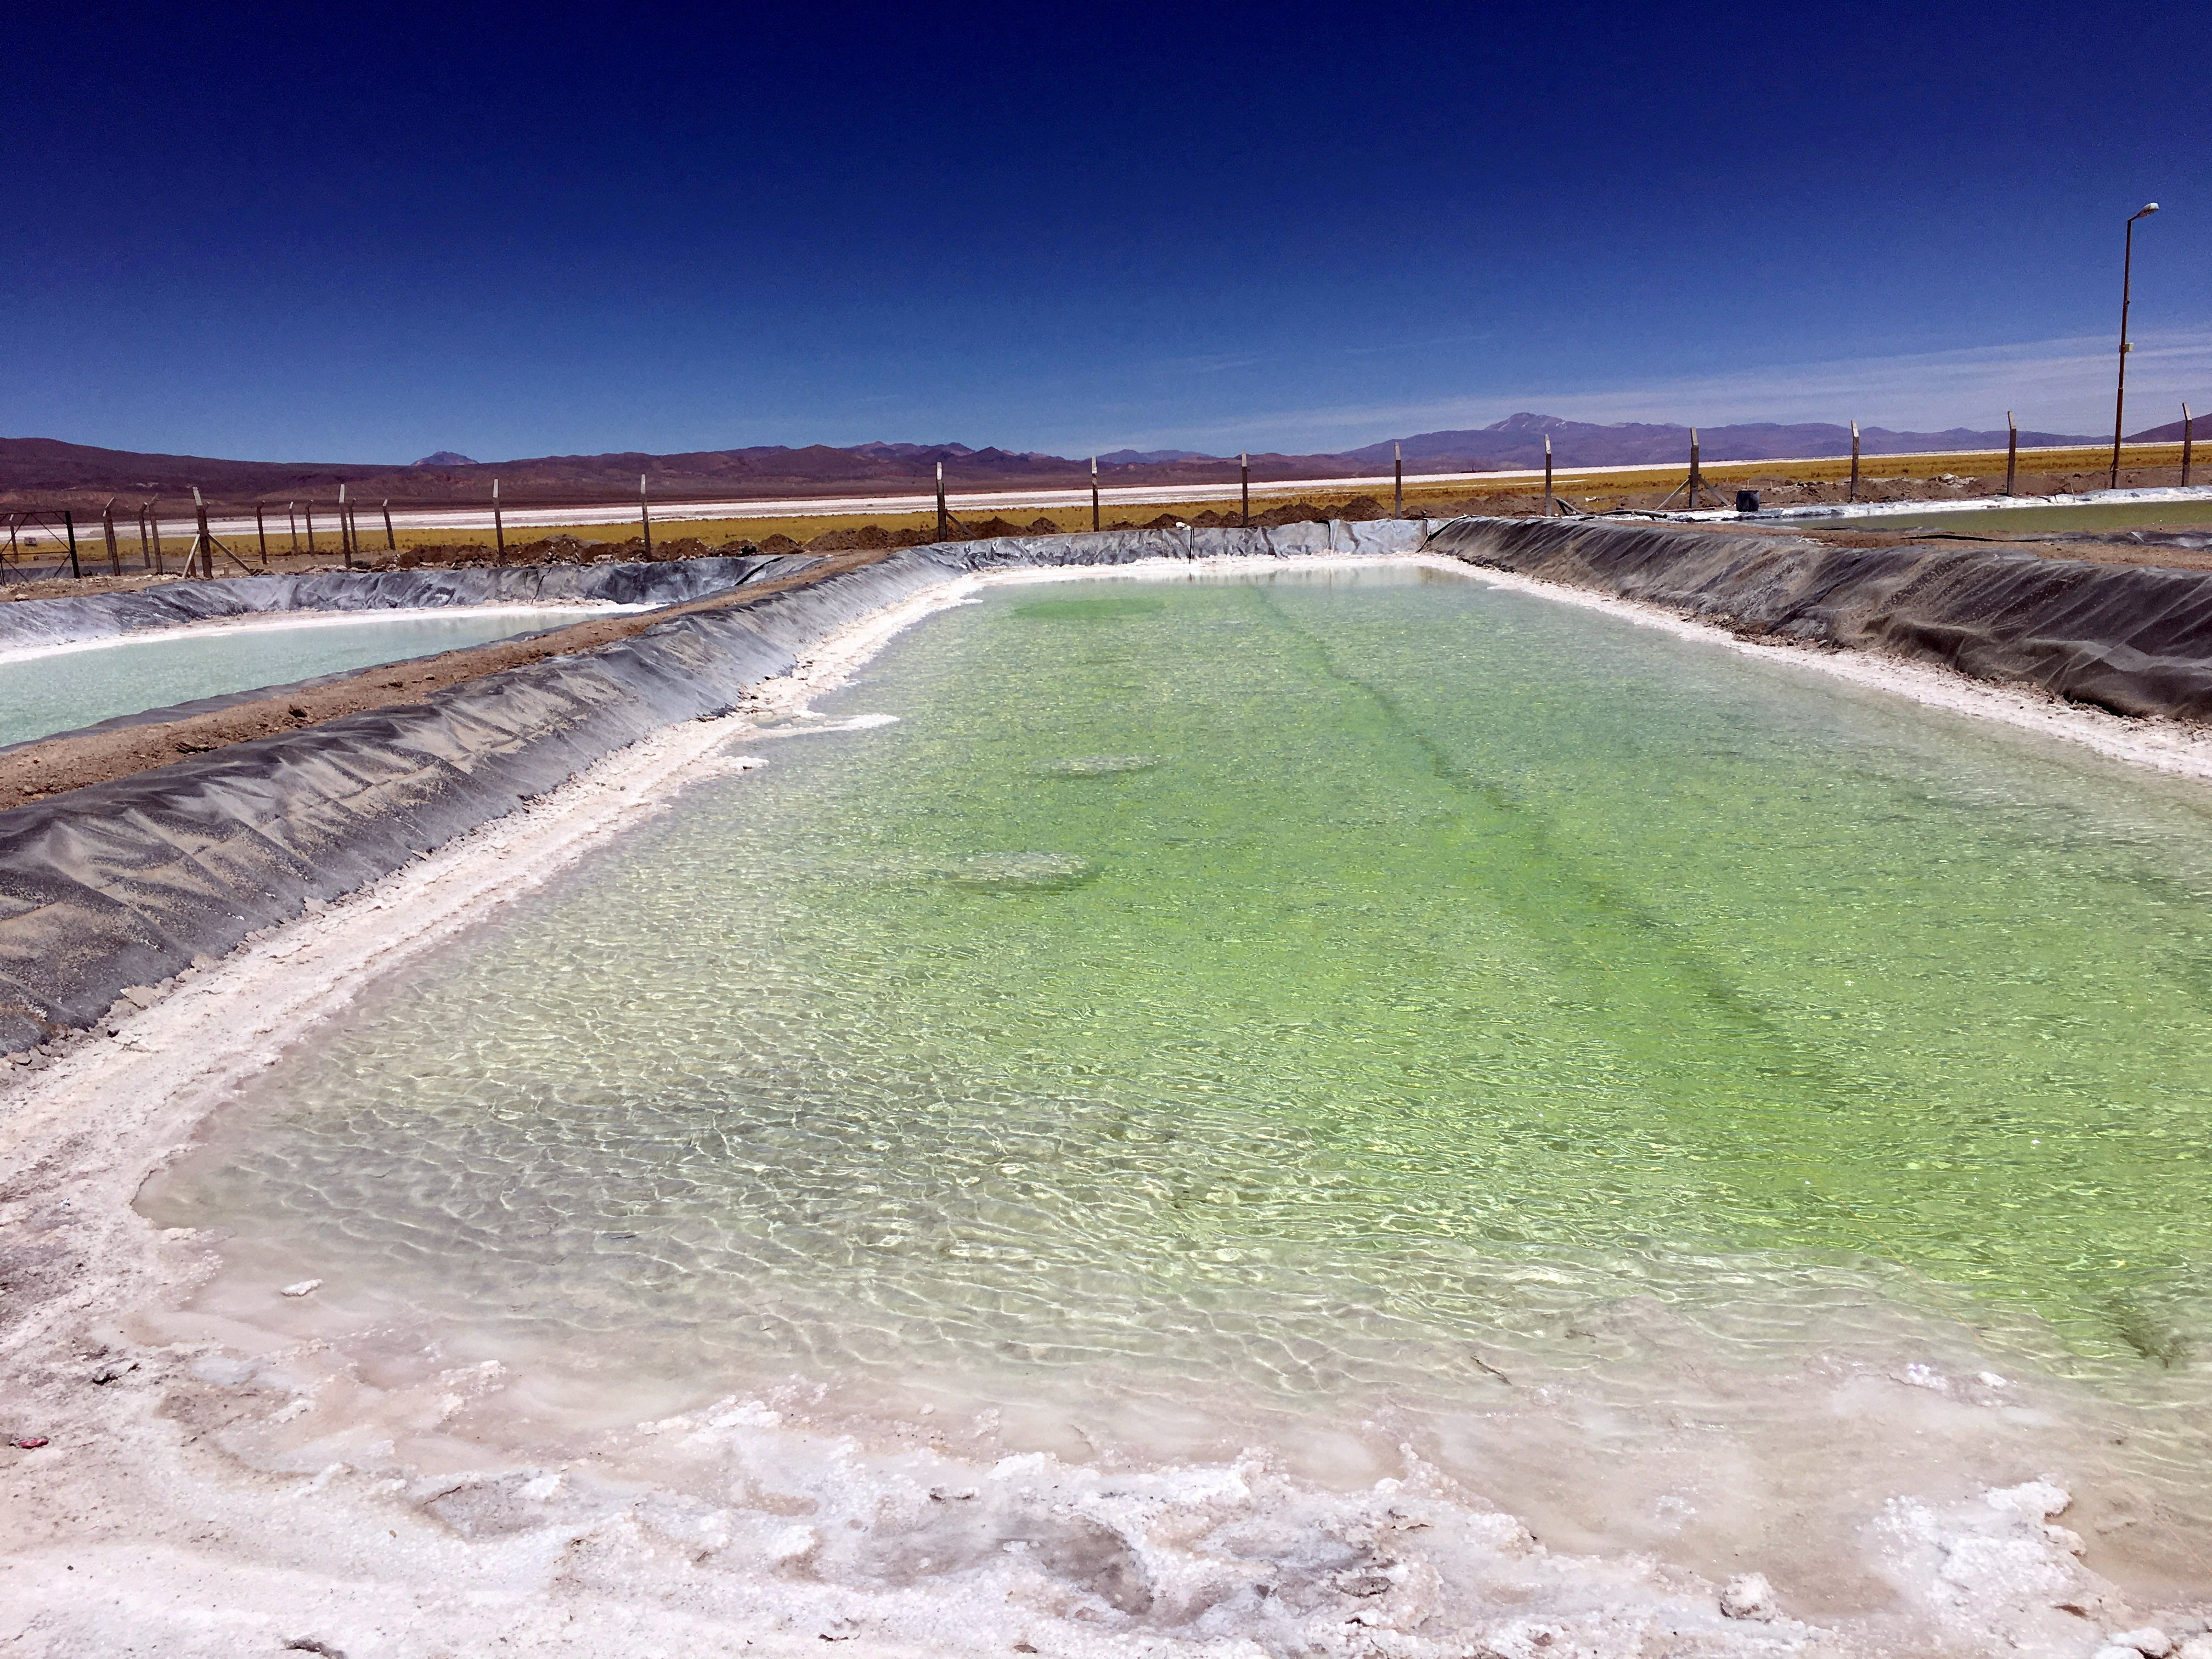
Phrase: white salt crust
(171, 1511)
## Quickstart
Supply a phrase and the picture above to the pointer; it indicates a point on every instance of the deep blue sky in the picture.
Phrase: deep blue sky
(367, 233)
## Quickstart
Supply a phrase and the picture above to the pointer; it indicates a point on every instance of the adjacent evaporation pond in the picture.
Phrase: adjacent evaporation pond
(2027, 520)
(66, 687)
(1308, 992)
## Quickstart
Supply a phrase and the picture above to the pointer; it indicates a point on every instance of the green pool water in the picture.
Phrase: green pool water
(1284, 986)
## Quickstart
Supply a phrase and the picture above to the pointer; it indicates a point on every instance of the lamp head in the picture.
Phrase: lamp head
(2148, 208)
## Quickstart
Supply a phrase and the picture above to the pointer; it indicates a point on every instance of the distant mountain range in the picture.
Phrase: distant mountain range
(1518, 442)
(47, 469)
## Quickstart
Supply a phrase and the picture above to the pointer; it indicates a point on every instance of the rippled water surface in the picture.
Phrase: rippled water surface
(63, 690)
(1290, 989)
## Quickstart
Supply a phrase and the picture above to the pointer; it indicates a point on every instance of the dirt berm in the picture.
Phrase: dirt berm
(122, 882)
(2134, 639)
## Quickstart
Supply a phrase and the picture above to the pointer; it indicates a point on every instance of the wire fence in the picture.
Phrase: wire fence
(149, 539)
(47, 542)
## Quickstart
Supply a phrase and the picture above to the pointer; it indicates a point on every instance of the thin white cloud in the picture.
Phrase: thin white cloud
(2052, 385)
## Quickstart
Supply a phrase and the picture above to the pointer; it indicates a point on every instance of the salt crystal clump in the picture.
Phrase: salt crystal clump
(2150, 1642)
(305, 1287)
(1749, 1596)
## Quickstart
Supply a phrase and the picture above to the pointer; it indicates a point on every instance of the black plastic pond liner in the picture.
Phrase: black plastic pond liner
(103, 616)
(123, 883)
(2133, 639)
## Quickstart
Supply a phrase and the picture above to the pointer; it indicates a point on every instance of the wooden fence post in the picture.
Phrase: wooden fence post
(498, 526)
(1244, 474)
(2012, 451)
(1398, 481)
(107, 534)
(1094, 492)
(203, 543)
(390, 541)
(645, 515)
(292, 519)
(309, 507)
(68, 524)
(940, 501)
(261, 534)
(1854, 494)
(345, 529)
(150, 549)
(2187, 436)
(1548, 473)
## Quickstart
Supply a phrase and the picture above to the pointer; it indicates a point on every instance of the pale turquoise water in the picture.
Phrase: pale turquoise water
(1273, 989)
(64, 690)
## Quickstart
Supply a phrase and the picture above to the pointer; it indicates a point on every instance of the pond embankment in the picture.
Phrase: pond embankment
(124, 855)
(2133, 639)
(132, 852)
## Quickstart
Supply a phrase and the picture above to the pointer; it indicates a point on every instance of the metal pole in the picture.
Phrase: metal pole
(2012, 451)
(390, 541)
(68, 524)
(1094, 491)
(1397, 481)
(1547, 474)
(940, 501)
(2120, 394)
(2186, 445)
(1854, 495)
(1244, 476)
(107, 533)
(261, 535)
(498, 524)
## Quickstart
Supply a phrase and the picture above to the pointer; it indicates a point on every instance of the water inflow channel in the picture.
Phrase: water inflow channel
(1344, 1012)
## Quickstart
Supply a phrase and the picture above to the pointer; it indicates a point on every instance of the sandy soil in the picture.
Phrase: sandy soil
(140, 1519)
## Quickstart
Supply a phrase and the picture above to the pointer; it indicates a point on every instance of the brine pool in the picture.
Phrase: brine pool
(46, 689)
(1366, 1015)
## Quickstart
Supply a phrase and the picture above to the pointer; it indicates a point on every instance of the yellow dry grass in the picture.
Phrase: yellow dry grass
(1419, 492)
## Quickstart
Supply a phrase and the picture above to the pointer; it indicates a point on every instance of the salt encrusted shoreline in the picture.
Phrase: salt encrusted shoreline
(130, 1530)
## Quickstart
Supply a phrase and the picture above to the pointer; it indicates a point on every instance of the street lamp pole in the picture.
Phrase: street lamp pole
(2120, 397)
